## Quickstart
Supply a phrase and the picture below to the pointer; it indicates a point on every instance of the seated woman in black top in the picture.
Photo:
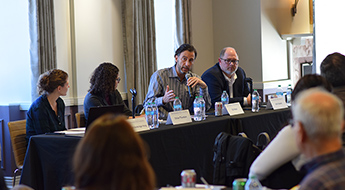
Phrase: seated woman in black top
(103, 90)
(47, 112)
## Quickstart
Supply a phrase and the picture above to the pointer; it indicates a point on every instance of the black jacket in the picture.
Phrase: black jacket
(216, 83)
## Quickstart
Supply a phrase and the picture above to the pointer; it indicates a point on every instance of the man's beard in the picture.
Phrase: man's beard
(230, 73)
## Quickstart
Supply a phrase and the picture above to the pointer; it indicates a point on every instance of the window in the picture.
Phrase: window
(165, 30)
(14, 53)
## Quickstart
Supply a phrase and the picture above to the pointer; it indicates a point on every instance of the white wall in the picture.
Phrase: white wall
(202, 31)
(15, 75)
(63, 44)
(238, 24)
(329, 29)
(98, 38)
(274, 49)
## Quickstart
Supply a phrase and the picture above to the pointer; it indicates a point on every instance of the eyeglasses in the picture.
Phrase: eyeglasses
(118, 79)
(228, 61)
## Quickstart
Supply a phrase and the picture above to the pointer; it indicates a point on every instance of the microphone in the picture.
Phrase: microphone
(134, 93)
(187, 77)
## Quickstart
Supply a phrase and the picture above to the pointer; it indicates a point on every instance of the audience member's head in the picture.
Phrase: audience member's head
(51, 80)
(319, 114)
(104, 79)
(22, 187)
(112, 156)
(310, 81)
(333, 69)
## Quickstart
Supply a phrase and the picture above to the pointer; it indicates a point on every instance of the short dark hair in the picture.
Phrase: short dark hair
(310, 81)
(333, 69)
(50, 80)
(103, 79)
(185, 47)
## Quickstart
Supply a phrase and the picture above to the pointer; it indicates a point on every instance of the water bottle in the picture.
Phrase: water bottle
(177, 104)
(255, 101)
(224, 98)
(253, 183)
(148, 115)
(155, 120)
(288, 95)
(279, 92)
(203, 108)
(197, 109)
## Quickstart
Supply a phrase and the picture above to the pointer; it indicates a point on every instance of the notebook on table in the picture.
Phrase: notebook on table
(96, 112)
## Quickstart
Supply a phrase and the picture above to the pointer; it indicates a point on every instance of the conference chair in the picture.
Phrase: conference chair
(80, 119)
(18, 133)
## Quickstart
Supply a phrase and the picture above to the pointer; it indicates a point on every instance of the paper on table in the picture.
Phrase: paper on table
(197, 187)
(73, 132)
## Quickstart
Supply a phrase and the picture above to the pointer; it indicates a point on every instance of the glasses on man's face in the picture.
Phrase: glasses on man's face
(118, 79)
(228, 61)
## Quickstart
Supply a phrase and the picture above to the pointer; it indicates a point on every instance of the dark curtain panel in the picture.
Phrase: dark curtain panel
(139, 40)
(183, 22)
(42, 40)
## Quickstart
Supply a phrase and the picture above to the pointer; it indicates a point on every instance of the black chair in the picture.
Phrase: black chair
(138, 109)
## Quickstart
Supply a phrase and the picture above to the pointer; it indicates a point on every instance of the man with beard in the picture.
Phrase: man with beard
(178, 80)
(227, 76)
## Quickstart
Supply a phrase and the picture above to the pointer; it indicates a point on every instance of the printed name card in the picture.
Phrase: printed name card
(234, 108)
(277, 103)
(178, 117)
(139, 124)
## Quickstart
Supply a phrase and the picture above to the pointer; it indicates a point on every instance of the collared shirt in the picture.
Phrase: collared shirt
(41, 118)
(231, 81)
(325, 172)
(168, 76)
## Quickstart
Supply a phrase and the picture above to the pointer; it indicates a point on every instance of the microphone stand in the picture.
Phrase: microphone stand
(134, 93)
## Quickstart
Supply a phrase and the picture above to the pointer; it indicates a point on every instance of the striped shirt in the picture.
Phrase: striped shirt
(168, 76)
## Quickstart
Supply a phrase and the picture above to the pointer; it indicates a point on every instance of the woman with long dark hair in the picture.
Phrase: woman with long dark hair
(103, 90)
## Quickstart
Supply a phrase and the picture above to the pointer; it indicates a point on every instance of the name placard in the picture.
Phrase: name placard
(179, 117)
(277, 103)
(139, 124)
(234, 108)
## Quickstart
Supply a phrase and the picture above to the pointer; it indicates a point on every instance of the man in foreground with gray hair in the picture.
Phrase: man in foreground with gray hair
(318, 123)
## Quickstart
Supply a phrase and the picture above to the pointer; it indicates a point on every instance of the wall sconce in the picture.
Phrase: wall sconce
(294, 8)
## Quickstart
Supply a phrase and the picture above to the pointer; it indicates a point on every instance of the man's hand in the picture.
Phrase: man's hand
(249, 99)
(192, 81)
(169, 95)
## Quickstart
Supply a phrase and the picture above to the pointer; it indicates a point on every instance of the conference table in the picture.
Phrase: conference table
(172, 148)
